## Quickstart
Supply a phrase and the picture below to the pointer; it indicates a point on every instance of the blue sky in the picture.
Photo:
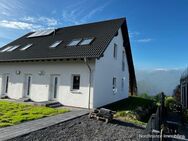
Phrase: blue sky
(158, 29)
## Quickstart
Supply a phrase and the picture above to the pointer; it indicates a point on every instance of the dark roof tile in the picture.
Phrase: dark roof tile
(103, 32)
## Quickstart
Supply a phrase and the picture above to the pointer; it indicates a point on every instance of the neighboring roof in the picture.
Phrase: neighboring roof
(103, 32)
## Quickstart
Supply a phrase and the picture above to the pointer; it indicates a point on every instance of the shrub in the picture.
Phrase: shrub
(169, 102)
(145, 95)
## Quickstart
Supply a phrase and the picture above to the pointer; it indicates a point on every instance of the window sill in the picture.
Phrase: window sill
(76, 91)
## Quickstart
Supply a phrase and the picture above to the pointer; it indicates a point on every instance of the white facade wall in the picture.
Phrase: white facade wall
(106, 68)
(103, 71)
(40, 83)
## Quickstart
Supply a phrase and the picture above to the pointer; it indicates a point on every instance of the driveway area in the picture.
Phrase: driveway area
(85, 129)
(35, 125)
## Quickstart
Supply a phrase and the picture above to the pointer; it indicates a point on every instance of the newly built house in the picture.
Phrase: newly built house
(87, 65)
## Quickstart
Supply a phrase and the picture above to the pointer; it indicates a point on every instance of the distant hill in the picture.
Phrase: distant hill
(155, 81)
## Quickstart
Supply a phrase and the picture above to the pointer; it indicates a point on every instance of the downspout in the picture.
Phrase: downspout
(89, 68)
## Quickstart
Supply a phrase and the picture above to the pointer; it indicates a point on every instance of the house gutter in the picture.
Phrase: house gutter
(89, 68)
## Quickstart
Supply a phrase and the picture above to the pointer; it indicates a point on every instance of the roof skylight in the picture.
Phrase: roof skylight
(74, 42)
(41, 33)
(86, 41)
(7, 48)
(26, 47)
(13, 48)
(55, 44)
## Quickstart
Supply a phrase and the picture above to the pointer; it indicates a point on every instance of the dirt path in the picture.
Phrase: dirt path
(85, 129)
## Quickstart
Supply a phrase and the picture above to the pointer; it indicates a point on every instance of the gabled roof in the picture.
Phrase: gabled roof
(103, 32)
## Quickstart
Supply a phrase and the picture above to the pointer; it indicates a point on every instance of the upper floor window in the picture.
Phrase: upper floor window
(86, 41)
(74, 42)
(5, 49)
(13, 48)
(55, 44)
(26, 47)
(115, 51)
(123, 60)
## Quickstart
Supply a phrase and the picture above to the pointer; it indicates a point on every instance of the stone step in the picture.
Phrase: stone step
(4, 97)
(25, 99)
(53, 105)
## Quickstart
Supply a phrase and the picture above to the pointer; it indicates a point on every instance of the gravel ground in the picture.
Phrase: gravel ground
(85, 129)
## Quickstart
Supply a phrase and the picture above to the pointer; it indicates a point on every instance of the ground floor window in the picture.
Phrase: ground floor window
(114, 85)
(75, 82)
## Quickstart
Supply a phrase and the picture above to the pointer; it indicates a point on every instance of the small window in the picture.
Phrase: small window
(123, 61)
(74, 42)
(115, 51)
(13, 48)
(5, 49)
(55, 44)
(114, 85)
(122, 83)
(86, 41)
(75, 82)
(26, 47)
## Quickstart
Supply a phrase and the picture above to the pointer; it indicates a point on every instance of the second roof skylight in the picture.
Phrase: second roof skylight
(74, 42)
(26, 47)
(55, 44)
(86, 41)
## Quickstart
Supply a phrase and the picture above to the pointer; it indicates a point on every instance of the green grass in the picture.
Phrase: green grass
(12, 113)
(126, 108)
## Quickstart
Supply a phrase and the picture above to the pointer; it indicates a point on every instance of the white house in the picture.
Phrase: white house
(87, 65)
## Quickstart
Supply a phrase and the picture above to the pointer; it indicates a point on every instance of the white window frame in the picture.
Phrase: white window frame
(56, 44)
(114, 85)
(74, 40)
(86, 41)
(72, 82)
(123, 60)
(7, 48)
(115, 50)
(26, 47)
(13, 48)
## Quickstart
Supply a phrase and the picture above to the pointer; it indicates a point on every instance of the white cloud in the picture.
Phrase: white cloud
(41, 20)
(30, 23)
(94, 11)
(144, 40)
(15, 24)
(48, 21)
(20, 25)
(9, 8)
(134, 34)
(77, 14)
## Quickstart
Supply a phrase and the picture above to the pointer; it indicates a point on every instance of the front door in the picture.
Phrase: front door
(5, 84)
(54, 87)
(27, 85)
